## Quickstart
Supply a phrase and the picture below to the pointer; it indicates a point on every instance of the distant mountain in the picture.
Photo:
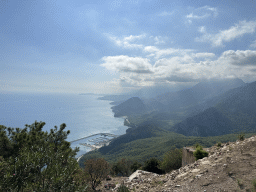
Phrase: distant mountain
(211, 122)
(235, 110)
(132, 106)
(197, 94)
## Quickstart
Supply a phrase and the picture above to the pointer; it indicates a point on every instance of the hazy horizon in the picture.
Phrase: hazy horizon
(113, 47)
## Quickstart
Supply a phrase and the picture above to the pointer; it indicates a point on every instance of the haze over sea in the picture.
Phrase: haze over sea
(84, 115)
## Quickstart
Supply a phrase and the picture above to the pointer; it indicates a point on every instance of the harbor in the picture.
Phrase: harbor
(92, 142)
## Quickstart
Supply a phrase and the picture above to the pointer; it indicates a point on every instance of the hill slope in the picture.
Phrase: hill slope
(235, 111)
(230, 167)
(133, 105)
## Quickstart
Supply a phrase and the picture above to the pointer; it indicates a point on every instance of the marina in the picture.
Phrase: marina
(95, 141)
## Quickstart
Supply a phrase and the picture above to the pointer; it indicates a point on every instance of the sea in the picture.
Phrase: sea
(84, 115)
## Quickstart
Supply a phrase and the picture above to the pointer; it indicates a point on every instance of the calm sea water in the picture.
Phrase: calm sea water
(84, 115)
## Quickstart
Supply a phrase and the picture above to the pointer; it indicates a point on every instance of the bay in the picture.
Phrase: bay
(84, 115)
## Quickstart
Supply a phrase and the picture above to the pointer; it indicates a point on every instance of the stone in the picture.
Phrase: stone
(195, 170)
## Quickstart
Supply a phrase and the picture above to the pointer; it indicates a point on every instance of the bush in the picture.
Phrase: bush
(200, 153)
(152, 165)
(123, 188)
(172, 160)
(241, 136)
(122, 167)
(219, 144)
(96, 170)
(135, 166)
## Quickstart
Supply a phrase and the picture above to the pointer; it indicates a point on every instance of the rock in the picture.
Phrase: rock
(195, 170)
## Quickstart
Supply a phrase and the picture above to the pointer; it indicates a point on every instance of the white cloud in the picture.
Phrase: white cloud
(192, 16)
(137, 71)
(240, 29)
(128, 42)
(202, 29)
(126, 64)
(203, 55)
(157, 53)
(134, 37)
(202, 13)
(242, 58)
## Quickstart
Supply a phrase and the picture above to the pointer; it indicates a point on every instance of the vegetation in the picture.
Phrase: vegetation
(254, 184)
(240, 136)
(219, 144)
(135, 166)
(96, 170)
(152, 165)
(34, 160)
(200, 153)
(172, 160)
(141, 150)
(123, 188)
(122, 168)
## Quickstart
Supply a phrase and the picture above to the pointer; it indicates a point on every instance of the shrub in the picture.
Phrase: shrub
(219, 144)
(254, 184)
(198, 145)
(152, 165)
(96, 170)
(135, 166)
(172, 160)
(122, 167)
(200, 153)
(123, 188)
(240, 136)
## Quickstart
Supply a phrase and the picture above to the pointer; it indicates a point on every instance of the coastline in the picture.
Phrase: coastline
(98, 145)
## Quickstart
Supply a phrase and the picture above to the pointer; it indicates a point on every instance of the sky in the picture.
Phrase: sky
(115, 46)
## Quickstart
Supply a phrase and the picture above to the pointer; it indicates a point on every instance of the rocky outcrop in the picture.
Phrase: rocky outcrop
(187, 156)
(231, 167)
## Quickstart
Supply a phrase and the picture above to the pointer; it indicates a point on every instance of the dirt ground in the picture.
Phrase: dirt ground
(231, 167)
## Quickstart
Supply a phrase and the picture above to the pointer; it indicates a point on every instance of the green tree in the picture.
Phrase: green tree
(122, 167)
(38, 161)
(172, 160)
(199, 153)
(135, 166)
(152, 165)
(96, 170)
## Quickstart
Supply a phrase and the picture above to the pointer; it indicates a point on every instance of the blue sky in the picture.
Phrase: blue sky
(113, 46)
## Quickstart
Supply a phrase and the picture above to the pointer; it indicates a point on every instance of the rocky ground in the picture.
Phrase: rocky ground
(230, 167)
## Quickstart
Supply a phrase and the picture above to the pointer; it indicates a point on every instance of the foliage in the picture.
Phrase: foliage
(197, 145)
(152, 165)
(123, 188)
(156, 147)
(35, 160)
(200, 153)
(135, 166)
(254, 184)
(122, 167)
(240, 136)
(219, 144)
(172, 160)
(96, 170)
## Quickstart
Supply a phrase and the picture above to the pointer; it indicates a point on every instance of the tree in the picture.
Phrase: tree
(38, 161)
(96, 170)
(152, 165)
(122, 167)
(135, 166)
(172, 160)
(199, 153)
